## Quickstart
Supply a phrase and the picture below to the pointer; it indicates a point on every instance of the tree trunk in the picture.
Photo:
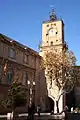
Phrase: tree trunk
(13, 114)
(57, 106)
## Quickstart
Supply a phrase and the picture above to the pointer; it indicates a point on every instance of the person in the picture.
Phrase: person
(66, 108)
(65, 111)
(31, 110)
(38, 110)
(52, 112)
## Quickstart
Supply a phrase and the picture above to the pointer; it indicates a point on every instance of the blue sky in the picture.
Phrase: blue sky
(22, 20)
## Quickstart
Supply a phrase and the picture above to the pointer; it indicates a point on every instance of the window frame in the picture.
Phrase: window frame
(25, 77)
(8, 79)
(26, 59)
(12, 53)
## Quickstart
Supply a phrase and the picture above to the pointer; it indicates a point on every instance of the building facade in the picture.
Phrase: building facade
(21, 63)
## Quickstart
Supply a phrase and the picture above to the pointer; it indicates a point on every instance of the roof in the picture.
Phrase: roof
(24, 47)
(48, 21)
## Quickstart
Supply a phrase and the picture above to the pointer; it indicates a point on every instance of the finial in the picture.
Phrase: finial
(53, 11)
(52, 15)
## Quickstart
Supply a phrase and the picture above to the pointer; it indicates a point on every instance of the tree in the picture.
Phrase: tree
(16, 96)
(60, 70)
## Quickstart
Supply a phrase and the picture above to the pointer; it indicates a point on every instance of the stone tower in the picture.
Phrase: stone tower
(52, 34)
(53, 40)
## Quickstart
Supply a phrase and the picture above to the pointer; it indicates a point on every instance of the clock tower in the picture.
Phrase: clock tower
(53, 40)
(52, 35)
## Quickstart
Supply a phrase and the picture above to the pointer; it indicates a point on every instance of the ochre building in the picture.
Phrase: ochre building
(21, 63)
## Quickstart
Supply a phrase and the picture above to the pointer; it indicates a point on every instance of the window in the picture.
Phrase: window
(51, 42)
(54, 24)
(26, 58)
(9, 77)
(47, 25)
(25, 78)
(12, 53)
(56, 32)
(47, 34)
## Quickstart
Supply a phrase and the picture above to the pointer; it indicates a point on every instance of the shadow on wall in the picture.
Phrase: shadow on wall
(49, 105)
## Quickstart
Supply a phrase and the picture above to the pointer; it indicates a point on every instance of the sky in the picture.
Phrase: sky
(22, 21)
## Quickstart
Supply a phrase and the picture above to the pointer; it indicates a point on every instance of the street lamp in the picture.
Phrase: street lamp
(31, 88)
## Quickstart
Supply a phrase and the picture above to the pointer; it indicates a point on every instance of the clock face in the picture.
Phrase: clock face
(52, 32)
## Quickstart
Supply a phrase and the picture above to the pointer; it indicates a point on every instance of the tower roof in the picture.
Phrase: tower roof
(53, 15)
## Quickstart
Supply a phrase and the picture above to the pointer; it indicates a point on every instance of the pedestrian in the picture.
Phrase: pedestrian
(52, 112)
(31, 109)
(38, 110)
(66, 111)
